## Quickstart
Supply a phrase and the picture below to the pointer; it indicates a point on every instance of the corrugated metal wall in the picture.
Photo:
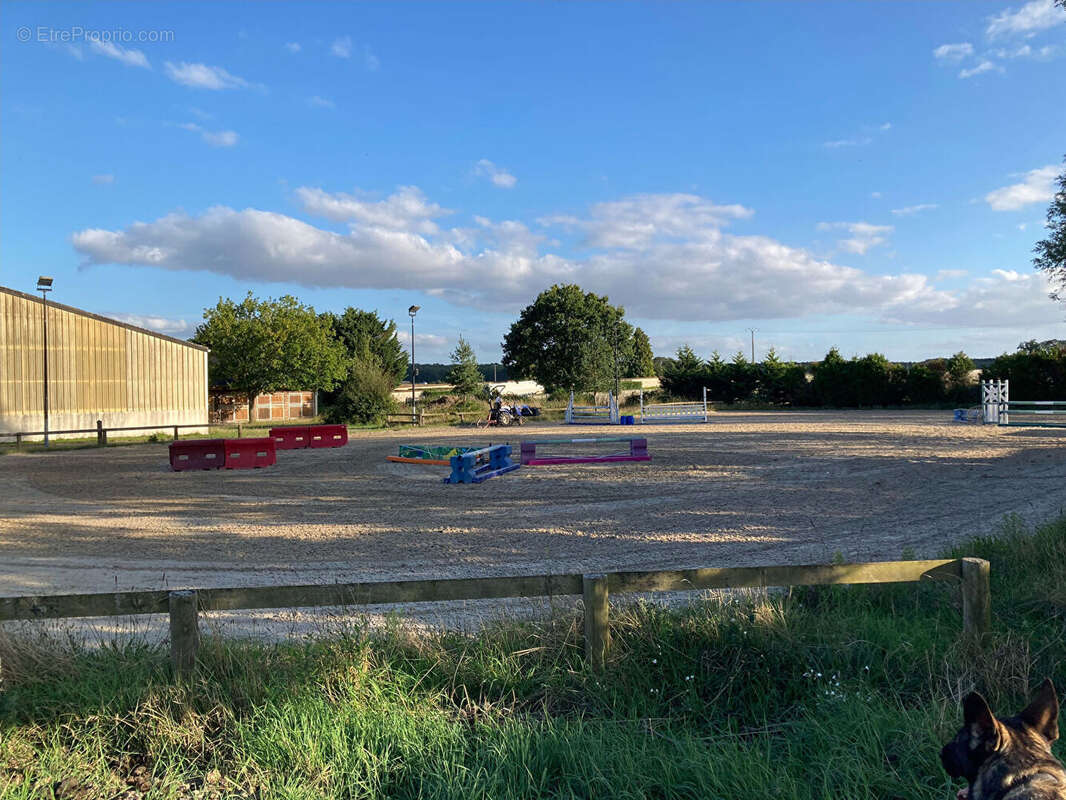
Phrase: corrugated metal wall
(97, 369)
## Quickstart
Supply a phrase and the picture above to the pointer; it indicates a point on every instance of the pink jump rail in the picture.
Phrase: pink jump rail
(638, 451)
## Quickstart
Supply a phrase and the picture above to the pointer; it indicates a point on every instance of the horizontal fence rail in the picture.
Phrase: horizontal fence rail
(101, 430)
(971, 574)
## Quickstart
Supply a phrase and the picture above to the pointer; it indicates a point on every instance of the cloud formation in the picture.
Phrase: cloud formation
(953, 52)
(213, 138)
(1028, 20)
(1038, 186)
(663, 256)
(864, 235)
(202, 76)
(342, 47)
(131, 58)
(165, 325)
(499, 176)
(907, 211)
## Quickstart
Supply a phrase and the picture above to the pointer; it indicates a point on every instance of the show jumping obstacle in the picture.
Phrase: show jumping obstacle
(998, 408)
(594, 414)
(638, 451)
(471, 467)
(297, 437)
(994, 398)
(694, 411)
(436, 455)
(222, 454)
(1034, 414)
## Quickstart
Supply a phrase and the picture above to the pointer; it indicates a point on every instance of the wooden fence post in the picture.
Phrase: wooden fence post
(976, 598)
(175, 433)
(184, 633)
(101, 434)
(18, 442)
(597, 636)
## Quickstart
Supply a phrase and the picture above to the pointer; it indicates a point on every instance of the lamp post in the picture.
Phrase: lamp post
(412, 311)
(44, 286)
(752, 331)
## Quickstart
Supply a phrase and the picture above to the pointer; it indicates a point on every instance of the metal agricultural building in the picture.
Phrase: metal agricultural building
(98, 369)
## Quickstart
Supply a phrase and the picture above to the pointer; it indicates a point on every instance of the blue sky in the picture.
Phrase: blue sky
(866, 175)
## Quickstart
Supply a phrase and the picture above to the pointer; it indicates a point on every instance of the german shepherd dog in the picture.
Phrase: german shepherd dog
(1008, 758)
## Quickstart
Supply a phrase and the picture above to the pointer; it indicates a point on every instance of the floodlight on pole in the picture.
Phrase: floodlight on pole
(44, 286)
(414, 415)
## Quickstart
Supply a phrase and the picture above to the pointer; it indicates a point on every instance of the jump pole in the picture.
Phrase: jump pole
(638, 451)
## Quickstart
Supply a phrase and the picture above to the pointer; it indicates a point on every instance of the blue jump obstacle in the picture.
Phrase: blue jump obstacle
(466, 469)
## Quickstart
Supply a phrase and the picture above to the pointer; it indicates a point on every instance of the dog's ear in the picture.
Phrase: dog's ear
(1042, 715)
(975, 711)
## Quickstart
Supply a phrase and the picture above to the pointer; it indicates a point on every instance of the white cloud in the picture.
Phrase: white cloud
(907, 211)
(1031, 18)
(370, 61)
(293, 47)
(953, 52)
(951, 273)
(1007, 298)
(76, 51)
(1037, 187)
(131, 58)
(405, 210)
(202, 76)
(499, 176)
(213, 138)
(885, 126)
(431, 340)
(662, 256)
(864, 235)
(103, 180)
(875, 195)
(320, 102)
(859, 142)
(165, 325)
(984, 66)
(342, 47)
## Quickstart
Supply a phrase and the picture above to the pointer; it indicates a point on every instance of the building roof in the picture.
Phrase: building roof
(80, 312)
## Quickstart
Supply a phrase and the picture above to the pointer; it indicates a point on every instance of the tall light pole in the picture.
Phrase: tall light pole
(412, 311)
(752, 331)
(44, 286)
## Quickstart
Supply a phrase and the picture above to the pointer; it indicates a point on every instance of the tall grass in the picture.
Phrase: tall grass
(842, 692)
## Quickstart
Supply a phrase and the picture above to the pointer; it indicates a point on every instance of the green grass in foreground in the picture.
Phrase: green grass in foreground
(833, 693)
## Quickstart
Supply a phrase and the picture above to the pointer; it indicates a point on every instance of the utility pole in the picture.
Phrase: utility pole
(752, 331)
(414, 415)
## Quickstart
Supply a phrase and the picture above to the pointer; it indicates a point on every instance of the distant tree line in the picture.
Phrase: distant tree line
(1037, 371)
(865, 381)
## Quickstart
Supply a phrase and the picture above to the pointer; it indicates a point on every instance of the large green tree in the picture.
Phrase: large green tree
(569, 339)
(1051, 252)
(260, 346)
(364, 335)
(464, 376)
(641, 362)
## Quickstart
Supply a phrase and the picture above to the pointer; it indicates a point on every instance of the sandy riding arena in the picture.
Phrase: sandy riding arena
(746, 488)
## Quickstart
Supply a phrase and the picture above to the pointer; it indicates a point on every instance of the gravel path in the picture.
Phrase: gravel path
(747, 488)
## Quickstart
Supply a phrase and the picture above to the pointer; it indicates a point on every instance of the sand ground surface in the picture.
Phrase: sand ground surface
(746, 488)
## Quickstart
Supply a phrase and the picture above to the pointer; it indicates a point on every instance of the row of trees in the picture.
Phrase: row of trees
(870, 380)
(1037, 371)
(259, 346)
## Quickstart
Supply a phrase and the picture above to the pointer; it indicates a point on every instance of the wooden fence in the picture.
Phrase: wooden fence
(971, 574)
(101, 431)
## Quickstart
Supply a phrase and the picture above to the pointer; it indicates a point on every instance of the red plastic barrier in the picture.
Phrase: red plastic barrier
(291, 437)
(197, 454)
(328, 435)
(250, 453)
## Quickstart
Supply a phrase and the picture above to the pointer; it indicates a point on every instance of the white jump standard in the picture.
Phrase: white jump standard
(694, 411)
(592, 415)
